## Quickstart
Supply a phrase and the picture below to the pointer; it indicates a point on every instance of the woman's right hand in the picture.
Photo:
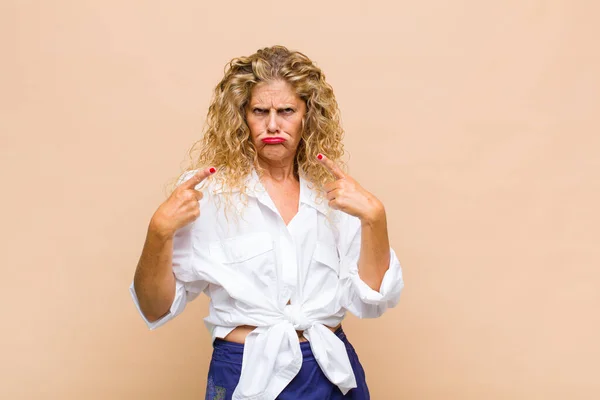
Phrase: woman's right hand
(181, 208)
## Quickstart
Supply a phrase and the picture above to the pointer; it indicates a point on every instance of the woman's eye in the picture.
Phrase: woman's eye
(288, 110)
(258, 111)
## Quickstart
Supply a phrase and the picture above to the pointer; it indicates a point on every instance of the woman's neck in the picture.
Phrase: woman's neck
(278, 173)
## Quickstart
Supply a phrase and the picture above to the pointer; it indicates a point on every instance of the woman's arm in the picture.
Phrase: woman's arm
(374, 248)
(345, 194)
(154, 281)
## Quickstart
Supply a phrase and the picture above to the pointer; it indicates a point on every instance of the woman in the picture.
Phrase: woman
(281, 239)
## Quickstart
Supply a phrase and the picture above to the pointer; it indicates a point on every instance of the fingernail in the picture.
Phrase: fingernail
(212, 170)
(320, 156)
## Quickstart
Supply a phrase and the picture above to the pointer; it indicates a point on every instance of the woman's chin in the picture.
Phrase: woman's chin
(275, 154)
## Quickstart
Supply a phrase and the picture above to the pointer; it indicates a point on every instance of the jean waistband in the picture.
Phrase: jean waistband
(234, 352)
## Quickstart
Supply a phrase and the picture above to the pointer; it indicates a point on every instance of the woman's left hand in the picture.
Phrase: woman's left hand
(345, 194)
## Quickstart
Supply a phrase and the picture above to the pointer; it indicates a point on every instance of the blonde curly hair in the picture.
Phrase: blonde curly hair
(226, 143)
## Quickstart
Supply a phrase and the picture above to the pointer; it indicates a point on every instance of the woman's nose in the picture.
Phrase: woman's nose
(272, 124)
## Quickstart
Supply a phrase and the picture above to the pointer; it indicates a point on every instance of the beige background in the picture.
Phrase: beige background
(474, 121)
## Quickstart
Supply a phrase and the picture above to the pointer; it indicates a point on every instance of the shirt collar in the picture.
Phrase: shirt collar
(308, 195)
(254, 188)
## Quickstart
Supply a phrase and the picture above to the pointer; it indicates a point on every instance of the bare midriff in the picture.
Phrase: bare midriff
(238, 335)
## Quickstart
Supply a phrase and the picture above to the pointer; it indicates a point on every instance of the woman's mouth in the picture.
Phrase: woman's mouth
(273, 140)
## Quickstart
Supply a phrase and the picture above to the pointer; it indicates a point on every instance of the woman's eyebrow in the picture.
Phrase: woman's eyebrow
(281, 107)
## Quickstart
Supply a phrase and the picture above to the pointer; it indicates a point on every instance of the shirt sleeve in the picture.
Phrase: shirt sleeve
(184, 293)
(187, 284)
(358, 297)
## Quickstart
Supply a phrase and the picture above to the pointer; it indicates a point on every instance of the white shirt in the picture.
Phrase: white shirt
(251, 268)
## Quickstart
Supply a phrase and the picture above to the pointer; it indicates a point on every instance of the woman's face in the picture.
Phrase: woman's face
(274, 115)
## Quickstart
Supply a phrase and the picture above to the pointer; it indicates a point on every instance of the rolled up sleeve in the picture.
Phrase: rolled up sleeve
(358, 297)
(182, 296)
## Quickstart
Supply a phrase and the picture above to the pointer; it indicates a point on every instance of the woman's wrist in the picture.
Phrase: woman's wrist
(375, 215)
(157, 231)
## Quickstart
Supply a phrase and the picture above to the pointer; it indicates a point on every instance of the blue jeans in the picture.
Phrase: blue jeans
(310, 383)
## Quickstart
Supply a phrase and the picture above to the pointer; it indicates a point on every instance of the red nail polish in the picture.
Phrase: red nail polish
(320, 156)
(212, 170)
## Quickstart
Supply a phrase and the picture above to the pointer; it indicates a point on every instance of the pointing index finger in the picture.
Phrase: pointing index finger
(198, 177)
(331, 166)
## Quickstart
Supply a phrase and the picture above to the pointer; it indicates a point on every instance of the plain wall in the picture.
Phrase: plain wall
(474, 121)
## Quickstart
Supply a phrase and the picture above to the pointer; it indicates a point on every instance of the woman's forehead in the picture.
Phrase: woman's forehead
(274, 93)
